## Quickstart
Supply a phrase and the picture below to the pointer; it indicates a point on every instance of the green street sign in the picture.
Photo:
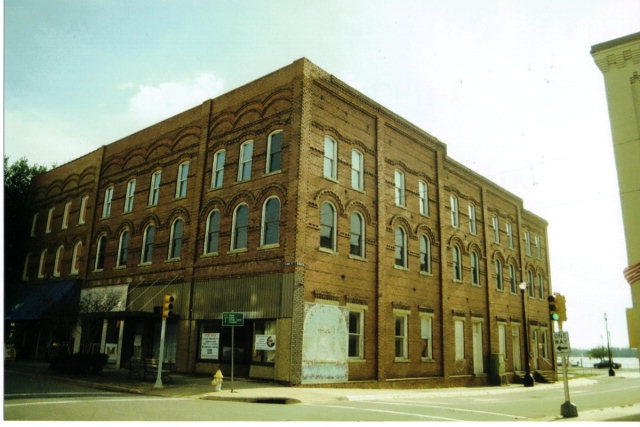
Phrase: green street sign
(232, 319)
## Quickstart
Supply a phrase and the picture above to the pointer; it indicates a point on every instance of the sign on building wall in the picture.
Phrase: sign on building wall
(325, 344)
(265, 342)
(210, 345)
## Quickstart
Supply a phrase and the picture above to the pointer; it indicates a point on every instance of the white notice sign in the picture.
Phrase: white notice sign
(561, 342)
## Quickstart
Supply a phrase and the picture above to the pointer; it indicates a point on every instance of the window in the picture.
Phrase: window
(357, 170)
(181, 182)
(356, 336)
(495, 223)
(274, 152)
(459, 339)
(527, 243)
(65, 215)
(217, 175)
(76, 258)
(356, 240)
(330, 166)
(271, 222)
(536, 240)
(423, 195)
(43, 260)
(106, 207)
(131, 192)
(513, 279)
(472, 220)
(123, 249)
(426, 333)
(328, 226)
(240, 227)
(425, 254)
(398, 178)
(58, 261)
(212, 238)
(455, 221)
(509, 230)
(401, 347)
(456, 263)
(246, 159)
(475, 269)
(175, 245)
(540, 286)
(401, 247)
(25, 267)
(83, 209)
(154, 191)
(49, 219)
(34, 221)
(100, 249)
(147, 243)
(499, 279)
(530, 283)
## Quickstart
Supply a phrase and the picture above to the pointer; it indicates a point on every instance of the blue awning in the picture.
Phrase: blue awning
(28, 302)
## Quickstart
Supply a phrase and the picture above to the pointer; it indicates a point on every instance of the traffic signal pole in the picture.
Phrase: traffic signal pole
(158, 383)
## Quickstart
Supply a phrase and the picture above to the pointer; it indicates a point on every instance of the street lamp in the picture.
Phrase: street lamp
(612, 373)
(528, 378)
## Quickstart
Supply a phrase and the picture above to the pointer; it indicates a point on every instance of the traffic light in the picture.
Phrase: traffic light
(167, 306)
(553, 309)
(561, 307)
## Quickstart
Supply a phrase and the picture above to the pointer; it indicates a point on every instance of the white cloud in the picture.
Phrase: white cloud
(154, 103)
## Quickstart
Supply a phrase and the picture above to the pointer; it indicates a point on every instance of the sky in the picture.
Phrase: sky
(509, 86)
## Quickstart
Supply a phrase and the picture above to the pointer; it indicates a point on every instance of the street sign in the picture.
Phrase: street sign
(232, 319)
(561, 342)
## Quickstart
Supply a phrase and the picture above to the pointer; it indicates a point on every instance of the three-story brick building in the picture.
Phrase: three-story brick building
(355, 248)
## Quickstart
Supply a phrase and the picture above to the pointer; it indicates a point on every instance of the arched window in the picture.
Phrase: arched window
(212, 238)
(499, 278)
(357, 170)
(43, 260)
(181, 181)
(513, 279)
(400, 247)
(456, 259)
(148, 240)
(217, 173)
(25, 268)
(154, 189)
(425, 254)
(100, 249)
(274, 152)
(531, 283)
(240, 227)
(356, 241)
(540, 286)
(58, 261)
(475, 269)
(123, 248)
(330, 166)
(175, 245)
(76, 257)
(270, 232)
(246, 159)
(328, 226)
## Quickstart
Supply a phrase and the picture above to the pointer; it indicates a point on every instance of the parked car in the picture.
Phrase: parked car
(605, 364)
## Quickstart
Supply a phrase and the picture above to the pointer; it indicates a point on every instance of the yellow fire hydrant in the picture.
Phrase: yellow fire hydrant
(216, 382)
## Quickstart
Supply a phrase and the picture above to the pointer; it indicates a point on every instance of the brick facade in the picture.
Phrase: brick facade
(401, 310)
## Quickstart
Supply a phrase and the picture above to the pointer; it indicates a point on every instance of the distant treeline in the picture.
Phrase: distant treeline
(615, 351)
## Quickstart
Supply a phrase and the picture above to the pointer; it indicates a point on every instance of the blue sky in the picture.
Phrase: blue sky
(509, 86)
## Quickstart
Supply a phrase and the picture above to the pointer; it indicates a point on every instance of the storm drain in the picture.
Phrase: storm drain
(267, 400)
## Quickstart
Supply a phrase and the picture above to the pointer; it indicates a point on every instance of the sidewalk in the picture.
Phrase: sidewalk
(199, 386)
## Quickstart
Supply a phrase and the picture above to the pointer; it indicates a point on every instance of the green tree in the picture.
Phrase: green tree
(598, 353)
(17, 214)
